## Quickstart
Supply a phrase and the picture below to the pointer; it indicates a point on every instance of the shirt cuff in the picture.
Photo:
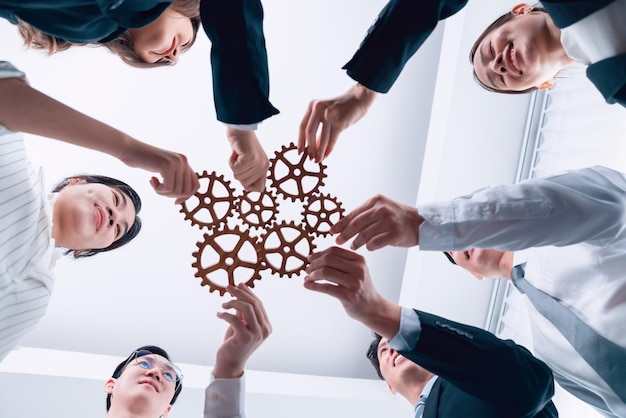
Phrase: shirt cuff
(225, 398)
(409, 332)
(247, 127)
(437, 230)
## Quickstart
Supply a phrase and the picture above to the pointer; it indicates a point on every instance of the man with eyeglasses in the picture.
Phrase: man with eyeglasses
(147, 384)
(573, 226)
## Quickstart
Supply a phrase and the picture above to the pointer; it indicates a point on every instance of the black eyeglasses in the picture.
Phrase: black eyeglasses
(147, 360)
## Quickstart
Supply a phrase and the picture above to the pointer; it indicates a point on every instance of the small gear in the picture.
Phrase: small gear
(257, 210)
(293, 175)
(320, 213)
(286, 247)
(228, 256)
(212, 204)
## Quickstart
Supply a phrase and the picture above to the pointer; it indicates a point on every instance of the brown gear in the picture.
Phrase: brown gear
(257, 210)
(276, 244)
(210, 207)
(225, 259)
(298, 181)
(320, 213)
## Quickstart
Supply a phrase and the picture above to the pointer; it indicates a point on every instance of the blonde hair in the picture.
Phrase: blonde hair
(122, 46)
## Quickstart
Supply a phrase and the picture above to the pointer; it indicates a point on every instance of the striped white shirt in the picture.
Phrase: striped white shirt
(26, 247)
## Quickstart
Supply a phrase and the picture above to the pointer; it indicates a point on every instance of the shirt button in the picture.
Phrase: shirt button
(116, 4)
(436, 219)
(213, 397)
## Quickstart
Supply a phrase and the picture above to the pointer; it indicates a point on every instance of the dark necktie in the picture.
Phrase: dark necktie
(604, 356)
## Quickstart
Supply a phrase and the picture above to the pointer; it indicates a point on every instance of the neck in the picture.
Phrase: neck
(506, 264)
(556, 50)
(412, 391)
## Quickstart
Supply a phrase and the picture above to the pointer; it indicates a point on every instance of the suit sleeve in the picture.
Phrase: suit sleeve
(609, 77)
(399, 31)
(496, 371)
(585, 205)
(238, 60)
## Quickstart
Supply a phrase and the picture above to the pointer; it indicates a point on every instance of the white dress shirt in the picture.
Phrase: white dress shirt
(598, 36)
(577, 221)
(224, 398)
(27, 251)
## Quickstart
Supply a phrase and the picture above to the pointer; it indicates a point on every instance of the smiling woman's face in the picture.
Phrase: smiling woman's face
(522, 53)
(91, 215)
(164, 39)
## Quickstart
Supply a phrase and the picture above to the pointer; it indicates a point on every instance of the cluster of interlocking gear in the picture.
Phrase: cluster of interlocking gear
(232, 255)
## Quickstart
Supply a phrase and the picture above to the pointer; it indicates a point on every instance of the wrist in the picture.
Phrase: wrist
(383, 318)
(222, 371)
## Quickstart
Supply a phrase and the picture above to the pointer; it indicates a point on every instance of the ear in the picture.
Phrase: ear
(522, 9)
(109, 385)
(392, 390)
(547, 84)
(75, 180)
(478, 276)
(167, 411)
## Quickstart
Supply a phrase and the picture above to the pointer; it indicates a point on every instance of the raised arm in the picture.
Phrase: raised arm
(399, 31)
(587, 205)
(498, 372)
(247, 330)
(24, 109)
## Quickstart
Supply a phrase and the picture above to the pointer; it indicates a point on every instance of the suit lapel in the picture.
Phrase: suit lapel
(432, 403)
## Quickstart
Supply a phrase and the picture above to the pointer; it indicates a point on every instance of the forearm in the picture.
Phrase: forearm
(400, 30)
(477, 362)
(24, 109)
(238, 60)
(583, 205)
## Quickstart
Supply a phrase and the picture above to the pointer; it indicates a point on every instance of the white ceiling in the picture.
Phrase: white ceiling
(146, 293)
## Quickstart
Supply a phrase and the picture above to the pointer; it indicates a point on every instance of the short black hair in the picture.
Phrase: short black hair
(154, 350)
(372, 354)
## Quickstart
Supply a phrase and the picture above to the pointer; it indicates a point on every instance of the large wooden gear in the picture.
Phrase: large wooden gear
(231, 254)
(223, 259)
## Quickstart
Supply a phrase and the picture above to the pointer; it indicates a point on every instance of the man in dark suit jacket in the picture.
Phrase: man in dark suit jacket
(457, 370)
(399, 31)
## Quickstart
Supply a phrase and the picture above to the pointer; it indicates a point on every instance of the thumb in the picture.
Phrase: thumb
(155, 183)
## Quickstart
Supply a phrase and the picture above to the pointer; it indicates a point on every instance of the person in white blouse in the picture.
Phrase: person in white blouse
(573, 226)
(84, 215)
(147, 384)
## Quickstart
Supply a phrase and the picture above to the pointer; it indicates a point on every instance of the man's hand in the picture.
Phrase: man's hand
(346, 277)
(334, 115)
(248, 160)
(249, 327)
(378, 223)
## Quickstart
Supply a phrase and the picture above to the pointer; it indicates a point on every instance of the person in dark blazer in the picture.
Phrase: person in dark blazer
(403, 25)
(443, 368)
